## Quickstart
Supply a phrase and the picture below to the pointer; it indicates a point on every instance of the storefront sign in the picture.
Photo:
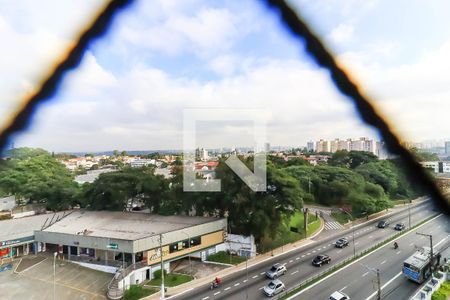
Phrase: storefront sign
(17, 241)
(4, 252)
(112, 246)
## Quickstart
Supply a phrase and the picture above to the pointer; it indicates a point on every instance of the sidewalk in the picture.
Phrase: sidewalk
(276, 252)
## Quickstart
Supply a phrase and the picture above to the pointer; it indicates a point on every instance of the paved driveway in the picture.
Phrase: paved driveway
(36, 282)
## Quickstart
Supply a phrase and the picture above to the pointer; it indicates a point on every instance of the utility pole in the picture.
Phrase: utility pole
(431, 248)
(162, 268)
(378, 280)
(379, 285)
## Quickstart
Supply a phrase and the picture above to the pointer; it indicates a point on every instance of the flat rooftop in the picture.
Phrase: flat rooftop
(24, 227)
(123, 225)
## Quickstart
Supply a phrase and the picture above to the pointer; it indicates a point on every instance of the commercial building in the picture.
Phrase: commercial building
(17, 235)
(108, 240)
(438, 167)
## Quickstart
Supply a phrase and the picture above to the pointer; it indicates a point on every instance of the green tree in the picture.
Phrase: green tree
(39, 178)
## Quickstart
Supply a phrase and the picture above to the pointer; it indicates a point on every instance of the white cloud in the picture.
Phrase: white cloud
(144, 109)
(342, 33)
(208, 31)
(413, 96)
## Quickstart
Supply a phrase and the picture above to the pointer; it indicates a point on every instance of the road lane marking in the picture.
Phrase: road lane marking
(205, 298)
(354, 262)
(255, 276)
(236, 284)
(215, 294)
(383, 262)
(291, 261)
(356, 243)
(244, 281)
(303, 255)
(261, 288)
(227, 288)
(297, 258)
(398, 252)
(412, 244)
(370, 236)
(339, 251)
(262, 273)
(363, 275)
(308, 253)
(343, 289)
(294, 272)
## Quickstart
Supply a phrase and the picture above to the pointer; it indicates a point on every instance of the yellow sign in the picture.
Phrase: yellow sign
(207, 240)
(155, 254)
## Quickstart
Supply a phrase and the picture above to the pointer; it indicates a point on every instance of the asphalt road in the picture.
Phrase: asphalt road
(239, 285)
(358, 279)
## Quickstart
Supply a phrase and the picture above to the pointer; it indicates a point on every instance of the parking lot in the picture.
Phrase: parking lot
(36, 282)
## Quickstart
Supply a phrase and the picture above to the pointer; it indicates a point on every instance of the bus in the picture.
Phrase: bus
(418, 266)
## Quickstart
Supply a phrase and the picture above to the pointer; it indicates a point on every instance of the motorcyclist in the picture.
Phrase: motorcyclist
(215, 282)
(395, 245)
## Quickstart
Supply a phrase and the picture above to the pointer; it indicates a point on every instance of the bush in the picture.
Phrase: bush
(157, 274)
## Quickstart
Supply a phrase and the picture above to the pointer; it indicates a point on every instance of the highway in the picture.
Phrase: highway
(358, 279)
(239, 285)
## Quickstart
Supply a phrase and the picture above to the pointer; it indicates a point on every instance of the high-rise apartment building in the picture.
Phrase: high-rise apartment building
(322, 146)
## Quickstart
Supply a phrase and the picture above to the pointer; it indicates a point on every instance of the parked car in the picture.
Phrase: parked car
(321, 259)
(383, 224)
(341, 243)
(276, 271)
(274, 287)
(399, 226)
(339, 296)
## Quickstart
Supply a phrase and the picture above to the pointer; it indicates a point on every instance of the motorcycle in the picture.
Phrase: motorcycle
(395, 246)
(214, 285)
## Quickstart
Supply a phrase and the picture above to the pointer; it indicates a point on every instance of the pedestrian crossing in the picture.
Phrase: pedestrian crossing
(333, 225)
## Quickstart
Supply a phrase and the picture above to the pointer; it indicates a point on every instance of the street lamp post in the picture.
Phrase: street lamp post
(353, 232)
(246, 271)
(54, 275)
(409, 214)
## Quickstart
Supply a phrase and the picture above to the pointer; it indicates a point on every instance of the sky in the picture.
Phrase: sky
(162, 57)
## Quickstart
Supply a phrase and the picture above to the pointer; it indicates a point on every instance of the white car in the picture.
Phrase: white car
(274, 287)
(339, 296)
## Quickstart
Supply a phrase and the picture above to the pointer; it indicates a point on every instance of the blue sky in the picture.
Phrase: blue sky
(165, 56)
